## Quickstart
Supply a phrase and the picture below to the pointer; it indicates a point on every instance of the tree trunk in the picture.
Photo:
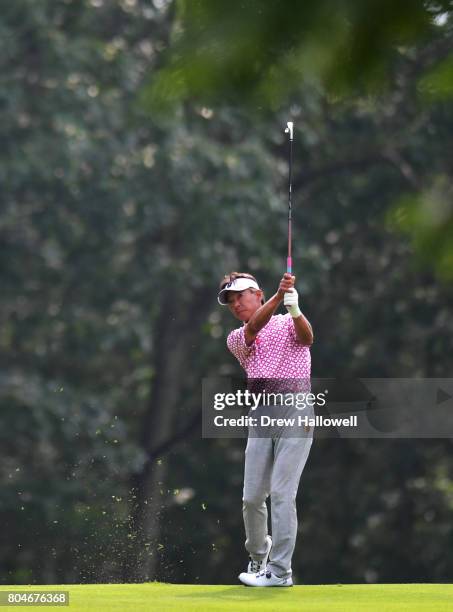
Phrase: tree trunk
(172, 351)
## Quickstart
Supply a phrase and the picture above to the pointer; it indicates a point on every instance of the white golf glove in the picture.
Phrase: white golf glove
(291, 301)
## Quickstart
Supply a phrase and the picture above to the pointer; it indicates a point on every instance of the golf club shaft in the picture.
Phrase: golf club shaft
(289, 263)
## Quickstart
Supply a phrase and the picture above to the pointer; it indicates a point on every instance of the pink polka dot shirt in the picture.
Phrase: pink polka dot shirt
(276, 352)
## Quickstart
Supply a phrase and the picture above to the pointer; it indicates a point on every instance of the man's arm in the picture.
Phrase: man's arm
(262, 316)
(302, 327)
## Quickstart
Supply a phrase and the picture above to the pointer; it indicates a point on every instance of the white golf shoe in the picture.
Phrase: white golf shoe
(255, 567)
(265, 579)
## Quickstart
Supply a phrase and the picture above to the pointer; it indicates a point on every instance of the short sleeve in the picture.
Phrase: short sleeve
(236, 344)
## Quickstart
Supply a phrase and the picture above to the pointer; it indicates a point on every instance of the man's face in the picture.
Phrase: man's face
(244, 303)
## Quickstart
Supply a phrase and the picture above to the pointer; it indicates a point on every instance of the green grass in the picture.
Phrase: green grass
(320, 598)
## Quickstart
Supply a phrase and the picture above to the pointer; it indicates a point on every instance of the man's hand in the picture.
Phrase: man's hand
(291, 301)
(286, 284)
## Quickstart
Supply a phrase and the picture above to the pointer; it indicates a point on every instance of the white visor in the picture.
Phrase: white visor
(239, 284)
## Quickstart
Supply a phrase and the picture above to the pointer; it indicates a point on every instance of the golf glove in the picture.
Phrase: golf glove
(291, 301)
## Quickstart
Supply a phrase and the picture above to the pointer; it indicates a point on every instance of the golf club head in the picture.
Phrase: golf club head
(289, 129)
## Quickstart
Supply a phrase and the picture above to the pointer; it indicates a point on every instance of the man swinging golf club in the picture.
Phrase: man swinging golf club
(271, 347)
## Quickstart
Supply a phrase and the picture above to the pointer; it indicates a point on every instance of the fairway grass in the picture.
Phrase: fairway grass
(320, 598)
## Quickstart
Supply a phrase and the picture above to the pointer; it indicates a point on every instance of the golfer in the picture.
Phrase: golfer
(270, 346)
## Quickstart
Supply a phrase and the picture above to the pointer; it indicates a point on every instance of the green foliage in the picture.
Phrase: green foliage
(258, 55)
(259, 52)
(437, 83)
(116, 224)
(428, 219)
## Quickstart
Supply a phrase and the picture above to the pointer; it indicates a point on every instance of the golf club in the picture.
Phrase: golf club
(289, 130)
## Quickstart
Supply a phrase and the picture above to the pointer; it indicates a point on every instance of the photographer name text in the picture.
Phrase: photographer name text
(299, 421)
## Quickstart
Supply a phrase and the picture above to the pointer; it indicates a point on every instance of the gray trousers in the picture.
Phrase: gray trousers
(273, 466)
